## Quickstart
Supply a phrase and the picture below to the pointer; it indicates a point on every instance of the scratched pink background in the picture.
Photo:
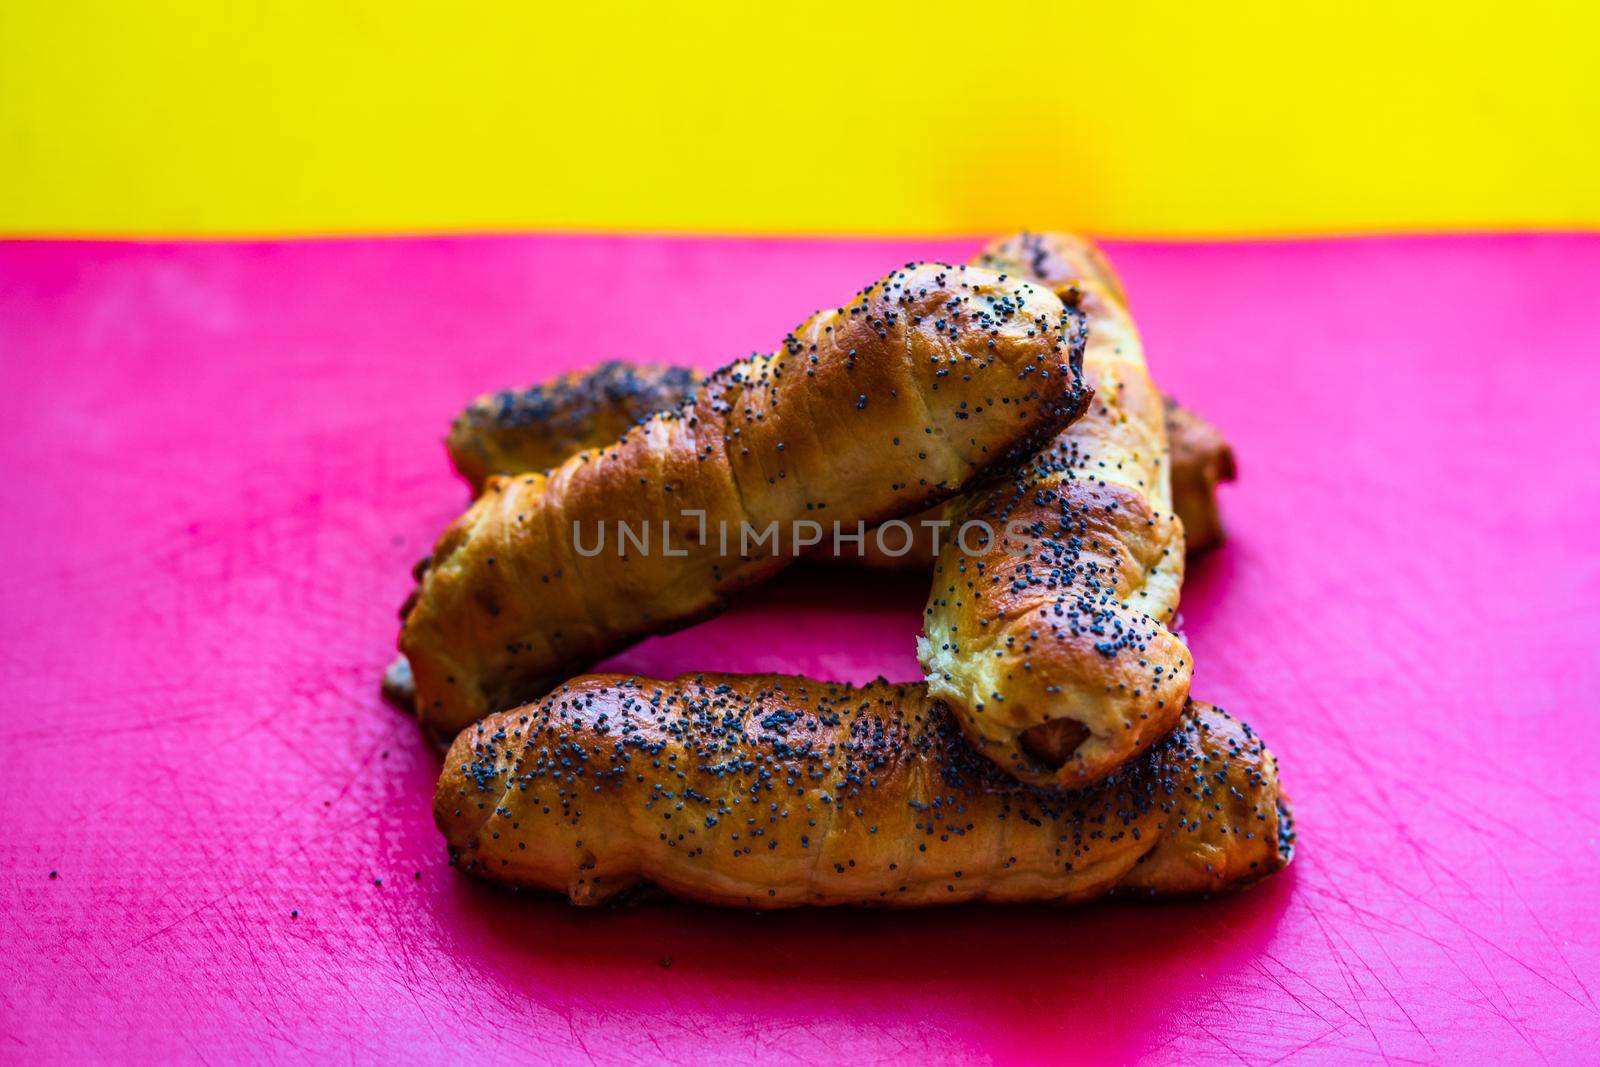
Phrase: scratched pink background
(219, 462)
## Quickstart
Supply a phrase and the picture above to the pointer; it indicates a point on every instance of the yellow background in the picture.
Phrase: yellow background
(311, 116)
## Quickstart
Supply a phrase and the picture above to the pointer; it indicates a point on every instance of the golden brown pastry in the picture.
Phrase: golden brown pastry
(1201, 460)
(929, 377)
(1201, 457)
(1064, 257)
(519, 430)
(1048, 639)
(767, 791)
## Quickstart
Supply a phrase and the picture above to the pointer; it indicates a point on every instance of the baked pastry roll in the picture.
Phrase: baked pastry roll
(770, 791)
(929, 377)
(1048, 635)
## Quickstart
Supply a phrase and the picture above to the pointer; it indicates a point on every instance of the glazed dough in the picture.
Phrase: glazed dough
(770, 791)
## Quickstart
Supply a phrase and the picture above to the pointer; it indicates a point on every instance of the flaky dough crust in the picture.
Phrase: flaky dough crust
(1202, 459)
(1049, 639)
(515, 431)
(772, 791)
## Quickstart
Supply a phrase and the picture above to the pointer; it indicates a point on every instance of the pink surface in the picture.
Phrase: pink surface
(220, 461)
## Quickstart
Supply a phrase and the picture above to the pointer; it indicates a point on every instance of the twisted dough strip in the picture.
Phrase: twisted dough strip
(1048, 640)
(930, 376)
(768, 791)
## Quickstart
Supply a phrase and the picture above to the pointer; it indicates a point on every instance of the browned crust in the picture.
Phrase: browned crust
(928, 378)
(518, 430)
(1049, 641)
(1054, 258)
(1202, 459)
(770, 791)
